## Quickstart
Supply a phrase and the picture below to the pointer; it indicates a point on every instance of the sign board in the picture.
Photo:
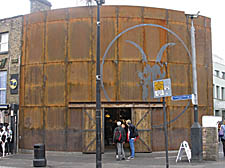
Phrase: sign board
(211, 121)
(184, 147)
(13, 84)
(162, 88)
(182, 97)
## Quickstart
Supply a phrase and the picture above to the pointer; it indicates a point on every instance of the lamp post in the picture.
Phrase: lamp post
(196, 130)
(98, 91)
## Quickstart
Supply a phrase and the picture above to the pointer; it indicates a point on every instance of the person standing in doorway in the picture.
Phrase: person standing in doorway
(119, 138)
(132, 135)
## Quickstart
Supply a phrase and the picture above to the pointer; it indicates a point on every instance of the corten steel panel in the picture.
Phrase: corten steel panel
(55, 140)
(74, 140)
(126, 50)
(55, 84)
(80, 75)
(53, 91)
(200, 46)
(22, 85)
(34, 18)
(33, 96)
(56, 15)
(202, 75)
(208, 47)
(158, 144)
(31, 137)
(80, 36)
(176, 137)
(33, 89)
(129, 81)
(154, 39)
(110, 80)
(201, 21)
(33, 118)
(24, 51)
(180, 75)
(108, 33)
(177, 53)
(154, 13)
(106, 11)
(210, 87)
(157, 117)
(184, 121)
(55, 73)
(33, 75)
(35, 44)
(56, 36)
(74, 119)
(55, 118)
(176, 16)
(81, 12)
(130, 11)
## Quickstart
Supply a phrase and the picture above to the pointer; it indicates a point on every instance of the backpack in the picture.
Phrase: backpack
(135, 131)
(118, 135)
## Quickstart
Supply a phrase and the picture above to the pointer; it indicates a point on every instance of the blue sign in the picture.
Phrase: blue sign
(182, 97)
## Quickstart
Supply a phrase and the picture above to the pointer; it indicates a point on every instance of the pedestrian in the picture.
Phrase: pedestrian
(132, 136)
(3, 139)
(223, 138)
(8, 140)
(220, 131)
(119, 138)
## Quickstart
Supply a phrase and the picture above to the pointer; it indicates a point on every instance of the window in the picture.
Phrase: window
(223, 75)
(217, 92)
(3, 83)
(216, 73)
(217, 113)
(223, 115)
(4, 37)
(222, 93)
(214, 93)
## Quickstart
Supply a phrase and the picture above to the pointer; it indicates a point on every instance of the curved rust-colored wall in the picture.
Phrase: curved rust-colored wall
(59, 60)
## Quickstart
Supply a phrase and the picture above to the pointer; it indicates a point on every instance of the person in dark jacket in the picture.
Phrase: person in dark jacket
(119, 143)
(131, 137)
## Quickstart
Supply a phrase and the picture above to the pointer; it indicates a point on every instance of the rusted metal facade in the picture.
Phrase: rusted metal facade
(58, 73)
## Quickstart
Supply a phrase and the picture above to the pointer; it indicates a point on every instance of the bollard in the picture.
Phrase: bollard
(39, 156)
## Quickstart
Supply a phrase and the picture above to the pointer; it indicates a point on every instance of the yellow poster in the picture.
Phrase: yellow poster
(159, 85)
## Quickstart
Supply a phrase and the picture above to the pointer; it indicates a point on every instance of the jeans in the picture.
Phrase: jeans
(132, 149)
(120, 150)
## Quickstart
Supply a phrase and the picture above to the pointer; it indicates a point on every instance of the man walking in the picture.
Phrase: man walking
(132, 135)
(119, 137)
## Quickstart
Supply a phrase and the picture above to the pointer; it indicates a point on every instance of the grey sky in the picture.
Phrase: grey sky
(209, 8)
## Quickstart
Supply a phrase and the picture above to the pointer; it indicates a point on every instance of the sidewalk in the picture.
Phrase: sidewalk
(78, 160)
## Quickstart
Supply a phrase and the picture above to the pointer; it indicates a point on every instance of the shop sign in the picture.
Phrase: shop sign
(13, 84)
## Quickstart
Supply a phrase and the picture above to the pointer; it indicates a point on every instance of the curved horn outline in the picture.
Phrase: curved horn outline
(131, 28)
(144, 57)
(160, 53)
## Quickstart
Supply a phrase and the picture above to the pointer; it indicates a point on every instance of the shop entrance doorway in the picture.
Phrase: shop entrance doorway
(111, 116)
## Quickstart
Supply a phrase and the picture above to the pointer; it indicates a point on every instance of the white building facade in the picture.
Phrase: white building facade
(219, 86)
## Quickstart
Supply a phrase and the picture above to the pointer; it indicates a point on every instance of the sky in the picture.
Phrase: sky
(212, 9)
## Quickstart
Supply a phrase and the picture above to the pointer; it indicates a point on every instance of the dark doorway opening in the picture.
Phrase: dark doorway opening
(112, 115)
